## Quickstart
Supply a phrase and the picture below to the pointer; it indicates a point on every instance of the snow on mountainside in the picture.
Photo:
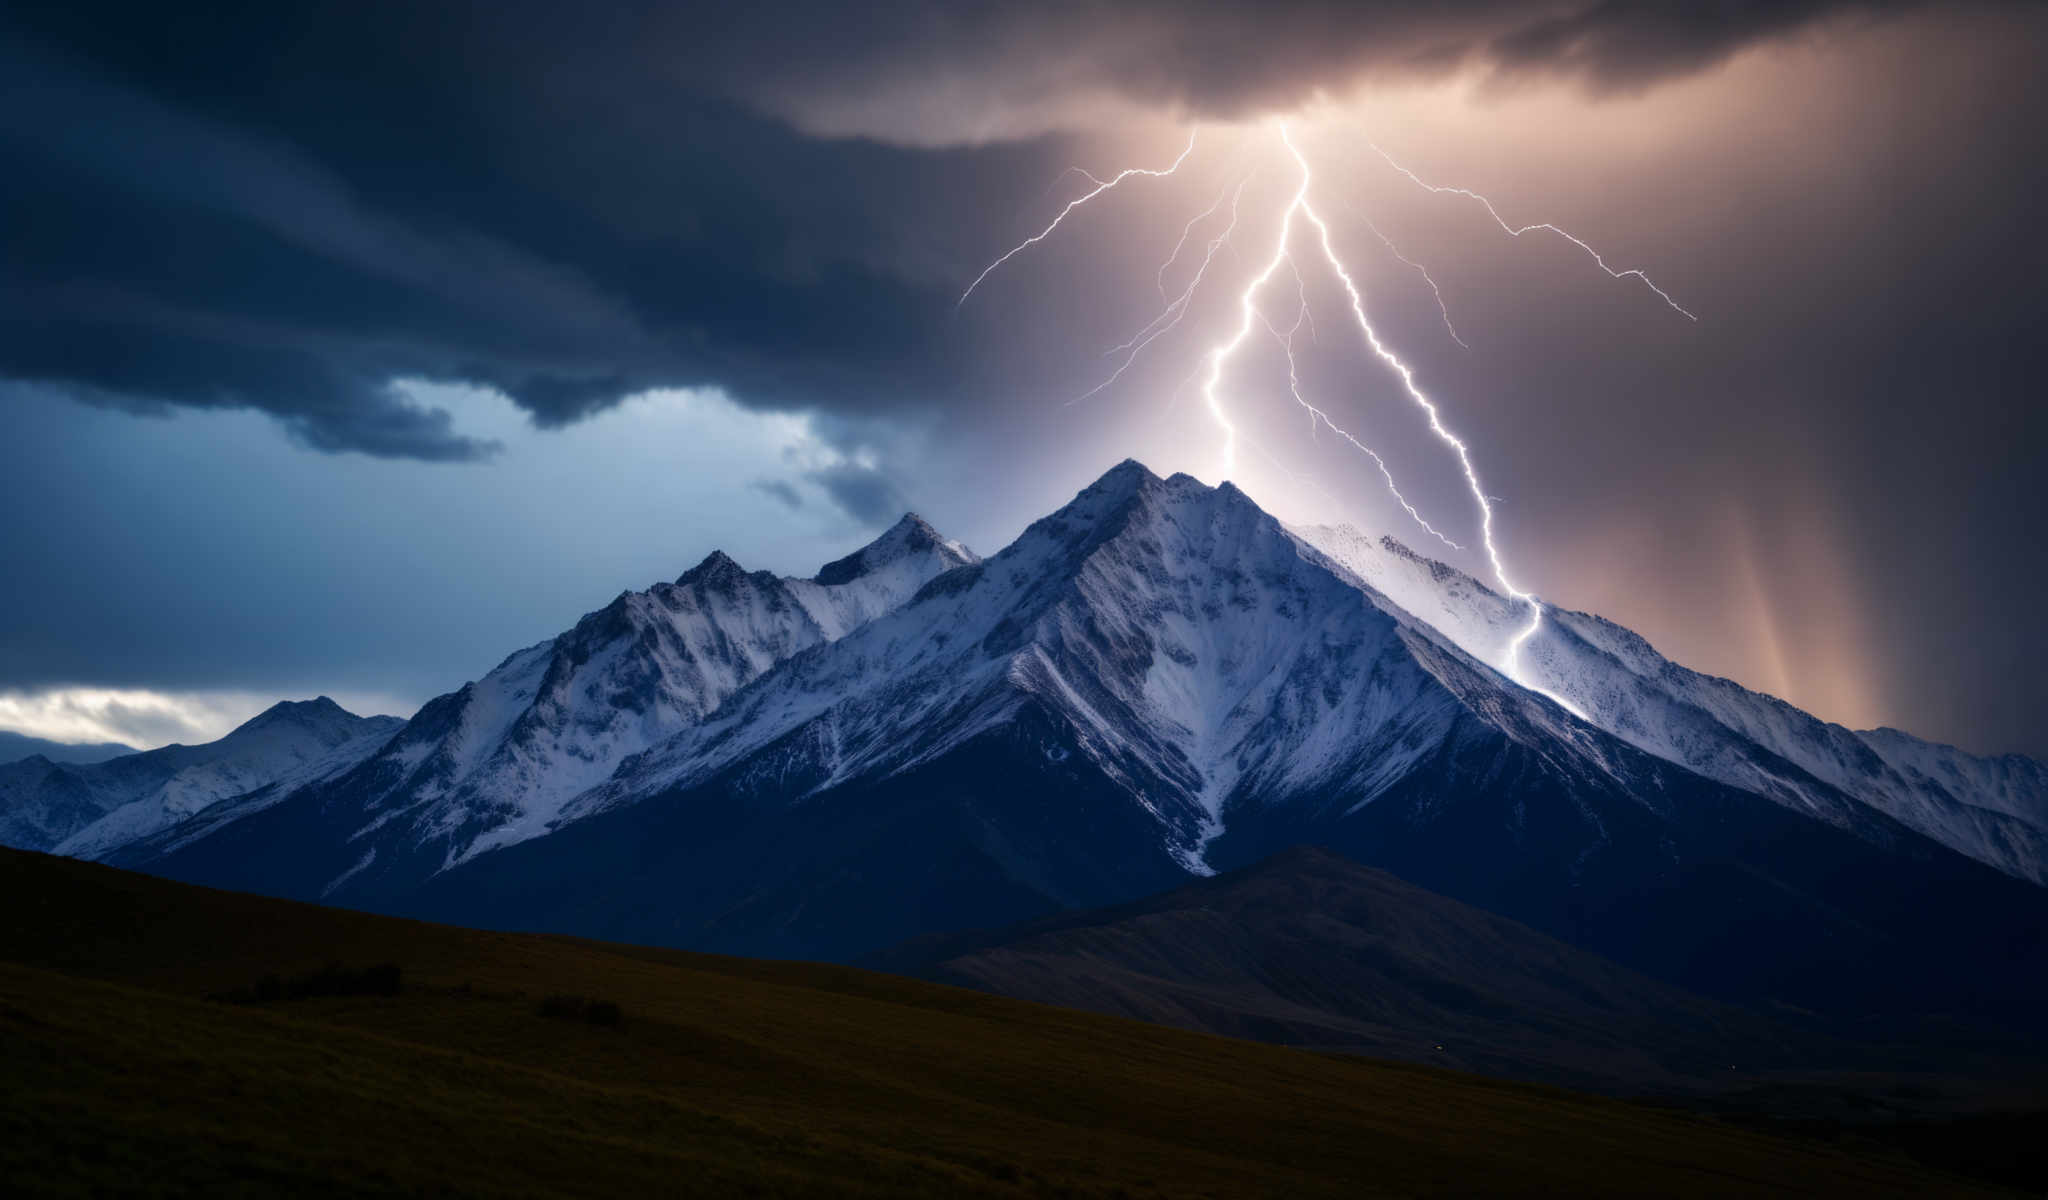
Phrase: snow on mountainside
(1993, 809)
(84, 810)
(1202, 656)
(332, 765)
(16, 746)
(492, 764)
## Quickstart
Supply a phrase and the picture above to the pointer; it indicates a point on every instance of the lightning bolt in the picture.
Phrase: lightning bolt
(1419, 270)
(1168, 319)
(1318, 416)
(1101, 186)
(1083, 172)
(1512, 666)
(1518, 231)
(1249, 315)
(1216, 361)
(1189, 229)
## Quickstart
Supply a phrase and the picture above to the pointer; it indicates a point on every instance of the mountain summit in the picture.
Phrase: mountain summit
(910, 541)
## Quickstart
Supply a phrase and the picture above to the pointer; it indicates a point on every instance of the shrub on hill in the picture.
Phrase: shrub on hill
(331, 980)
(577, 1008)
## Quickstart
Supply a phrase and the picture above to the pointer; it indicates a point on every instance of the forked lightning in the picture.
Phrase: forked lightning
(1219, 356)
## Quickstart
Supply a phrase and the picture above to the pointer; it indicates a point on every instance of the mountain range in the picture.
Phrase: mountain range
(87, 809)
(16, 746)
(1155, 683)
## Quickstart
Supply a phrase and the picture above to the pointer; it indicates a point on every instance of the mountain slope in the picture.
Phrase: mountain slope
(1310, 949)
(86, 810)
(16, 746)
(1993, 809)
(494, 763)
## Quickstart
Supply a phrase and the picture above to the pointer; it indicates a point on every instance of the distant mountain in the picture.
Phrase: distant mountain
(16, 746)
(494, 763)
(1310, 949)
(86, 809)
(1154, 683)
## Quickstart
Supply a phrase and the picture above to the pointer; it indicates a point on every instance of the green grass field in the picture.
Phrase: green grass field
(723, 1077)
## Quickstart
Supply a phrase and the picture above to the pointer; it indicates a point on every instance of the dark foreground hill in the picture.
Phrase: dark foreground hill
(1311, 949)
(468, 1071)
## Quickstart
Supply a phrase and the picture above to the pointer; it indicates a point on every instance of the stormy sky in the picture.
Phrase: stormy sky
(346, 348)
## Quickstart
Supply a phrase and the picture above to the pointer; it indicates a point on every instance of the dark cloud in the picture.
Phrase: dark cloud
(863, 492)
(781, 490)
(1623, 44)
(286, 206)
(288, 211)
(938, 74)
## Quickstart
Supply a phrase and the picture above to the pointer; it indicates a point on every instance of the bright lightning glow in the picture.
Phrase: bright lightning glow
(1514, 231)
(1211, 371)
(1248, 315)
(1317, 415)
(1512, 666)
(1100, 187)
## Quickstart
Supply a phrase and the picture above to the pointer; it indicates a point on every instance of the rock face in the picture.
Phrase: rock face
(1154, 683)
(85, 810)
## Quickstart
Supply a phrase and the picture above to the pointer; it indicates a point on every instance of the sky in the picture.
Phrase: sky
(346, 349)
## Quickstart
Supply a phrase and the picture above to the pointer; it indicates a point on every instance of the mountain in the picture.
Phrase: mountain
(16, 746)
(1993, 809)
(1310, 949)
(494, 763)
(84, 809)
(1154, 683)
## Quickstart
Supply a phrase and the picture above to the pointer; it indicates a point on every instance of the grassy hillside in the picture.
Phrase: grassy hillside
(722, 1077)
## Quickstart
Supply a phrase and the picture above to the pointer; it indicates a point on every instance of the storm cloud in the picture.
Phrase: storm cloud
(285, 207)
(310, 211)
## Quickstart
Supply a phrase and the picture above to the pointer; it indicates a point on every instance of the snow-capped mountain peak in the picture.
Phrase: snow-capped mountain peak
(910, 537)
(717, 570)
(142, 794)
(1185, 642)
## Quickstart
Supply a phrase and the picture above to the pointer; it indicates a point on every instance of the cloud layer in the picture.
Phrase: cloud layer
(286, 207)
